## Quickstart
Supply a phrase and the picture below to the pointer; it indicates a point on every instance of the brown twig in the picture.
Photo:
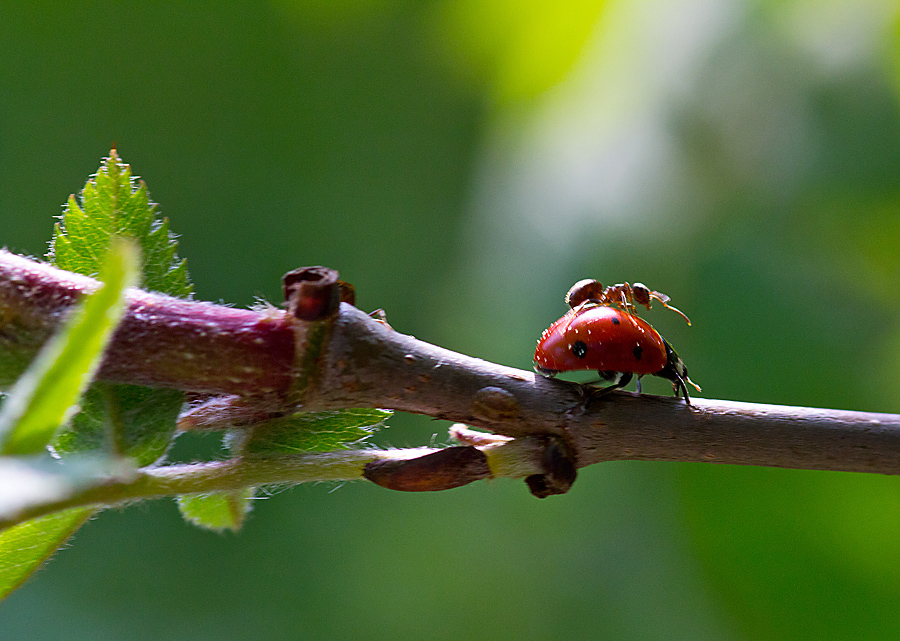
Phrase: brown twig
(259, 358)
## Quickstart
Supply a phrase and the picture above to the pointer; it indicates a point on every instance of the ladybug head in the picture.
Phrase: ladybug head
(676, 371)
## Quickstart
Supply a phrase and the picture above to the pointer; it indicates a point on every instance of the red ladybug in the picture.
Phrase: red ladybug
(614, 342)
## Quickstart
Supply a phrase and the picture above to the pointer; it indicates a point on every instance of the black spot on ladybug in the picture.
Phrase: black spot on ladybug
(638, 352)
(579, 349)
(615, 320)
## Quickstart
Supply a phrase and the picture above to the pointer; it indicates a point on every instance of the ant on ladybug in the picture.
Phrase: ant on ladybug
(624, 295)
(603, 332)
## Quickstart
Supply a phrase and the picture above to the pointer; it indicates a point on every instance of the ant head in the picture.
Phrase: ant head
(642, 294)
(584, 290)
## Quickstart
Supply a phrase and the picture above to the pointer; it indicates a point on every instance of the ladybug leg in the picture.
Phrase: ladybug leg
(638, 384)
(678, 386)
(680, 381)
(624, 379)
(676, 372)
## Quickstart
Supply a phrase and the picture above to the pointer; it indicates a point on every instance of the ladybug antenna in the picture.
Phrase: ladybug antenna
(684, 375)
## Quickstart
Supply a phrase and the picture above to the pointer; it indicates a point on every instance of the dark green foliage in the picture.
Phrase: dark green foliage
(127, 420)
(116, 421)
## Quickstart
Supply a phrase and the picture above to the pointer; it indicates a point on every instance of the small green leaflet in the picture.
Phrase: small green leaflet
(294, 434)
(314, 431)
(218, 511)
(113, 203)
(122, 420)
(25, 546)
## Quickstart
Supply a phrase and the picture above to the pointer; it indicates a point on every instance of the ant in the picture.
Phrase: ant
(623, 295)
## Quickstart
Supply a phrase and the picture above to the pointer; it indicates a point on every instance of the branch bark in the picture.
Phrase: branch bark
(267, 359)
(368, 364)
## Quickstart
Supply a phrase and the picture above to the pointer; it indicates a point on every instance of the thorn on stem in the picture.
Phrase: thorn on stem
(314, 293)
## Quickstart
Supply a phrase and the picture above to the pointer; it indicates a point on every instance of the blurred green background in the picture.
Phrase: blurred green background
(463, 163)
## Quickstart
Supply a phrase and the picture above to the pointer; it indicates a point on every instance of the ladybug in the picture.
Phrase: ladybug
(616, 343)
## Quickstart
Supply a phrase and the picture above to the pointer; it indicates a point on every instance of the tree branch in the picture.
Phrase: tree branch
(370, 365)
(504, 458)
(273, 362)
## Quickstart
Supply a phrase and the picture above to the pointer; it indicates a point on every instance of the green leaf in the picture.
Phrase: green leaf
(41, 482)
(314, 431)
(218, 511)
(43, 398)
(123, 420)
(307, 432)
(118, 419)
(113, 204)
(25, 546)
(38, 481)
(127, 420)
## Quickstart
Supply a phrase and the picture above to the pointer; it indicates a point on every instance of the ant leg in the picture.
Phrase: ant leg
(641, 295)
(588, 302)
(626, 299)
(679, 312)
(628, 295)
